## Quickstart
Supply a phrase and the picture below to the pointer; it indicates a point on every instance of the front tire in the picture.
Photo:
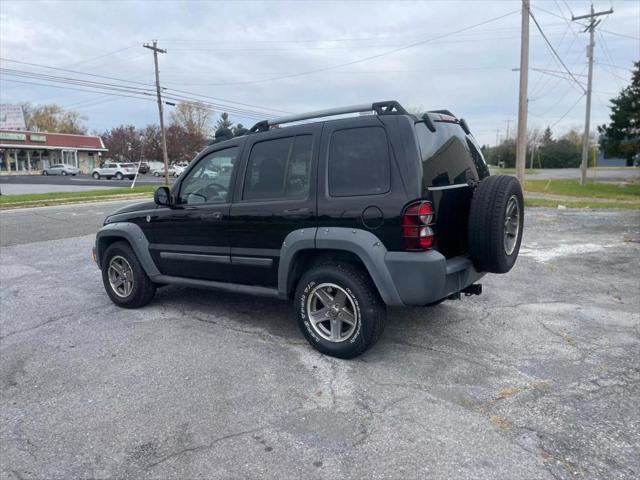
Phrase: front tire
(64, 174)
(339, 310)
(45, 173)
(96, 176)
(124, 279)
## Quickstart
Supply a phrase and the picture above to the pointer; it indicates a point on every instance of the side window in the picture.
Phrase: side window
(209, 181)
(299, 167)
(278, 168)
(359, 162)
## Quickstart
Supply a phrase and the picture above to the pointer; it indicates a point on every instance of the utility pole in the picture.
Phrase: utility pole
(155, 49)
(593, 23)
(521, 145)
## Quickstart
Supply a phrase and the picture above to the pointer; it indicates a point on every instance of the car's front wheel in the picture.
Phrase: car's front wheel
(96, 175)
(124, 279)
(64, 173)
(339, 310)
(45, 173)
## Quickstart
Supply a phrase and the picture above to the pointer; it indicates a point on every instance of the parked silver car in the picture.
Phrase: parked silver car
(60, 169)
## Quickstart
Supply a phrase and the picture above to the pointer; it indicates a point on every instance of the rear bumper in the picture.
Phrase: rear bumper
(425, 277)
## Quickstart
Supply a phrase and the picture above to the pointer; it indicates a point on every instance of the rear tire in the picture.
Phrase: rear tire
(119, 176)
(362, 306)
(496, 221)
(64, 174)
(141, 290)
(45, 173)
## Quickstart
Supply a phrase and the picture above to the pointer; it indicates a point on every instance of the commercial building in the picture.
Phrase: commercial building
(22, 151)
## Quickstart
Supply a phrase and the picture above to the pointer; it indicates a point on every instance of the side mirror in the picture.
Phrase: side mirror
(162, 196)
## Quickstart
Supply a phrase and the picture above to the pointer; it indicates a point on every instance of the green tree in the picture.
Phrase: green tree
(621, 137)
(53, 118)
(224, 121)
(194, 117)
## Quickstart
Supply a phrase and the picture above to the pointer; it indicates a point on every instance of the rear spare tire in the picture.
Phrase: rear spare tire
(495, 224)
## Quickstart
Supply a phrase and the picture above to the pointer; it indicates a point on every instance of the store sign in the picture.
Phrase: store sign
(12, 136)
(11, 117)
(37, 138)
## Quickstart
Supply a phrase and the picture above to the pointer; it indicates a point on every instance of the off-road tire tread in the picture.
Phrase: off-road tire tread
(486, 217)
(375, 313)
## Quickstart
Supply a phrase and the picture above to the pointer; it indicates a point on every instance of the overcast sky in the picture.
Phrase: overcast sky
(240, 52)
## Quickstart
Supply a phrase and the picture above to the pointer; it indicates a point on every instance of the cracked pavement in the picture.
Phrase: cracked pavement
(537, 378)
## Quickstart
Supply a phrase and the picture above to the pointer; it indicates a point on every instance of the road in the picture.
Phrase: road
(12, 184)
(601, 174)
(50, 223)
(538, 378)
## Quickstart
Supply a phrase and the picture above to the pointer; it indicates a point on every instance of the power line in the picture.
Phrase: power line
(370, 57)
(620, 34)
(102, 56)
(568, 111)
(147, 85)
(554, 50)
(123, 92)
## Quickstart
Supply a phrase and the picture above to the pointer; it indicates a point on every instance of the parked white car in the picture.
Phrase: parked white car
(180, 168)
(60, 169)
(117, 170)
(159, 172)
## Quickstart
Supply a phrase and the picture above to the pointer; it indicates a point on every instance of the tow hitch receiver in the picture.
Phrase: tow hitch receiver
(475, 289)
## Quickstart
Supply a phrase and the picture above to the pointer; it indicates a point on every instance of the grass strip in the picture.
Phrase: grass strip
(572, 188)
(55, 198)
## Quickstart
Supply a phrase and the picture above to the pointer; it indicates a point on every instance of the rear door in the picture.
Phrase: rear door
(359, 182)
(275, 194)
(451, 164)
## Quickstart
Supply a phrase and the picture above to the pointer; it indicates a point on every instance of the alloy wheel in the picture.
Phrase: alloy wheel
(120, 276)
(511, 225)
(331, 312)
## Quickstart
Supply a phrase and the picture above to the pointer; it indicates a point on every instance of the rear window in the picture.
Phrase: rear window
(359, 162)
(279, 168)
(128, 165)
(446, 155)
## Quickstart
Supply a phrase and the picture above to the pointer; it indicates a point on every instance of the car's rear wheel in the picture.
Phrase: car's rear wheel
(64, 174)
(96, 175)
(156, 174)
(119, 176)
(124, 279)
(45, 173)
(496, 221)
(339, 310)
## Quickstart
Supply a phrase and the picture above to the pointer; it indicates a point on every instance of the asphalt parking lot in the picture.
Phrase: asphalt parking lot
(538, 378)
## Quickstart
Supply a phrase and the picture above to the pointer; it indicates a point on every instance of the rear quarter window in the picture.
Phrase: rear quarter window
(446, 155)
(359, 162)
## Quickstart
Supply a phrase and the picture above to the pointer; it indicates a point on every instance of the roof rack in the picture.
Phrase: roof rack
(390, 107)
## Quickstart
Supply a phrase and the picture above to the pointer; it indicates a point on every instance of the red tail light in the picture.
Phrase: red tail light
(417, 226)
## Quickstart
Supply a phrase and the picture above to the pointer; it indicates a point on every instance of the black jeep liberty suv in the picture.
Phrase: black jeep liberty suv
(343, 216)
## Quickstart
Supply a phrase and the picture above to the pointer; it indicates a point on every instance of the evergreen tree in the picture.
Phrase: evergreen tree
(224, 121)
(622, 136)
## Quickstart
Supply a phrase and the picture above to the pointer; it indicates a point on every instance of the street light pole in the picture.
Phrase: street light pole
(155, 49)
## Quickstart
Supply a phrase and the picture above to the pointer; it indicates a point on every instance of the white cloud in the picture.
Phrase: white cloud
(213, 42)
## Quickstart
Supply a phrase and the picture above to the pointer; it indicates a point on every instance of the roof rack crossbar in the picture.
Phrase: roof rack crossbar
(381, 108)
